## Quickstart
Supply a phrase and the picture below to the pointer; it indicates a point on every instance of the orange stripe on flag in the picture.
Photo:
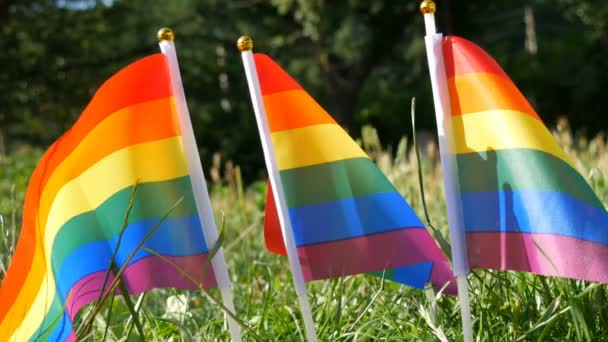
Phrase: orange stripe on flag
(294, 109)
(24, 252)
(478, 92)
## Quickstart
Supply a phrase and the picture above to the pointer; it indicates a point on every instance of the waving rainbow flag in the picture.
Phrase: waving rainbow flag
(346, 216)
(77, 200)
(525, 206)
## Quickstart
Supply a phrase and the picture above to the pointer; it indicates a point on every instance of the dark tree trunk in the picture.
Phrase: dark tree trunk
(446, 15)
(4, 4)
(343, 85)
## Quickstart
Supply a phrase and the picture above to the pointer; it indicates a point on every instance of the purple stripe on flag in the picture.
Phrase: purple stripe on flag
(546, 254)
(370, 253)
(146, 274)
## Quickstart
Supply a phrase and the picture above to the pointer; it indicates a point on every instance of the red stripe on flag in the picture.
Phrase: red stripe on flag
(272, 77)
(463, 57)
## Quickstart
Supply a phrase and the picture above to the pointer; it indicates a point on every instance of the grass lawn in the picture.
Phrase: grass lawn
(506, 306)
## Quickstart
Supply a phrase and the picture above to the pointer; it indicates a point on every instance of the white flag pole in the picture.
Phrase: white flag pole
(199, 186)
(245, 45)
(441, 98)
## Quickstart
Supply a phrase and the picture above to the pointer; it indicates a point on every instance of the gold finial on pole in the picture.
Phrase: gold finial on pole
(165, 33)
(428, 7)
(245, 43)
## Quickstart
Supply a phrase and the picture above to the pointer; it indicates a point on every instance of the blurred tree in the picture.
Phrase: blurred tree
(362, 60)
(4, 8)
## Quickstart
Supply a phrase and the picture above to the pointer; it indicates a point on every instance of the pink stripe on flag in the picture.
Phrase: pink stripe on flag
(370, 253)
(143, 275)
(546, 254)
(442, 274)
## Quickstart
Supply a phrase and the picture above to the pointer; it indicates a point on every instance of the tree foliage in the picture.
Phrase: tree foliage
(362, 60)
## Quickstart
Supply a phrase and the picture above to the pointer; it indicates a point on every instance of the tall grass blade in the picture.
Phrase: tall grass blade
(372, 301)
(111, 263)
(138, 305)
(186, 334)
(240, 192)
(127, 297)
(443, 244)
(125, 224)
(2, 144)
(540, 249)
(86, 326)
(215, 248)
(13, 230)
(547, 316)
(108, 317)
(206, 292)
(338, 327)
(4, 240)
(266, 302)
(580, 324)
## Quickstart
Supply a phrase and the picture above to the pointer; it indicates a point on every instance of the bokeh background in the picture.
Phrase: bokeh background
(362, 60)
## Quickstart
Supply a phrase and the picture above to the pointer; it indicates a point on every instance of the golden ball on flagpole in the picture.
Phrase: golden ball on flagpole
(245, 43)
(428, 7)
(165, 33)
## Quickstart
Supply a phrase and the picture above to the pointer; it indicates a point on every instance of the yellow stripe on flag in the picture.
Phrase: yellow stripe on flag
(314, 145)
(476, 132)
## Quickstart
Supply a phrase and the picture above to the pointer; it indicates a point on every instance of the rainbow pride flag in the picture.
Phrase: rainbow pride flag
(525, 206)
(346, 216)
(76, 203)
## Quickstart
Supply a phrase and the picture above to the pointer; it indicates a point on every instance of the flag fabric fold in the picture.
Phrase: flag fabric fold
(525, 206)
(346, 215)
(77, 200)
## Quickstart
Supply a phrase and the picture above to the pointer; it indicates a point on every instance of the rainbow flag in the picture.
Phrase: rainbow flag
(76, 203)
(525, 206)
(346, 216)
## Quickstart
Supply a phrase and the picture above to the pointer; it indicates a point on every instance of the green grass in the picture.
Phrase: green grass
(506, 306)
